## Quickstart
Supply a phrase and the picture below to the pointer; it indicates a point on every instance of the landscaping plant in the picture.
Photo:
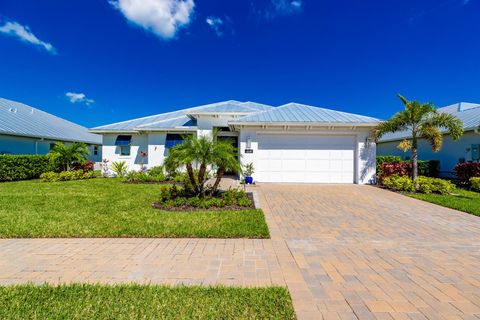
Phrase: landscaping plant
(120, 168)
(204, 152)
(466, 171)
(64, 157)
(66, 176)
(422, 120)
(475, 183)
(23, 167)
(399, 183)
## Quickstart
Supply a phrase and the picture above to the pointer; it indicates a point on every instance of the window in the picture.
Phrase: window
(95, 150)
(475, 152)
(52, 145)
(173, 139)
(124, 150)
(124, 142)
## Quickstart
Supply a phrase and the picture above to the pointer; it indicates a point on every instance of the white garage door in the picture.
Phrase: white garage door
(305, 158)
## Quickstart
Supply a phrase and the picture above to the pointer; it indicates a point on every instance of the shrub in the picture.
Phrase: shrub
(66, 176)
(434, 185)
(85, 167)
(383, 159)
(144, 177)
(399, 183)
(23, 167)
(466, 171)
(175, 197)
(395, 168)
(475, 183)
(120, 168)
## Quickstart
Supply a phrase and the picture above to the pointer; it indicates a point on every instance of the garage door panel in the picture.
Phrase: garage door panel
(305, 158)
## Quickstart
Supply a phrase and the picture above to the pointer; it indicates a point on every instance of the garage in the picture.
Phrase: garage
(306, 158)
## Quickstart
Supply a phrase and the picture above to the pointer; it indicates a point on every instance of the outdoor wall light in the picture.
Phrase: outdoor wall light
(249, 143)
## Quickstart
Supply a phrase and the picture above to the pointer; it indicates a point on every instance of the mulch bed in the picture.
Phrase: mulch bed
(160, 206)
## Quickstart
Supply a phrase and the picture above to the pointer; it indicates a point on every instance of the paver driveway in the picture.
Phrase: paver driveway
(368, 253)
(344, 251)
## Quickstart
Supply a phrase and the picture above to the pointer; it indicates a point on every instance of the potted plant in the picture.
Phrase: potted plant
(248, 172)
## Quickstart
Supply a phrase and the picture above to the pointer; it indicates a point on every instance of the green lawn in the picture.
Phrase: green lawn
(143, 302)
(463, 200)
(109, 208)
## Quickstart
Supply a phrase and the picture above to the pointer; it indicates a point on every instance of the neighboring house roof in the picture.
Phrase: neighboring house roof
(468, 113)
(300, 113)
(182, 119)
(248, 112)
(22, 120)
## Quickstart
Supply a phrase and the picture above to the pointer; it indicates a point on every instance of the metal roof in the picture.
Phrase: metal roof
(300, 113)
(468, 113)
(22, 120)
(180, 118)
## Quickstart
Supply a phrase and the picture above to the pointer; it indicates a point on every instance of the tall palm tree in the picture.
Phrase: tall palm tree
(422, 120)
(204, 151)
(65, 156)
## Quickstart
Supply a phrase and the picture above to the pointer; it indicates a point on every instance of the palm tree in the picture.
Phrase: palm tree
(205, 152)
(64, 156)
(422, 120)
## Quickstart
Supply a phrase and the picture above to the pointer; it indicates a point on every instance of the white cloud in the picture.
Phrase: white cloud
(79, 98)
(277, 8)
(161, 17)
(216, 23)
(23, 33)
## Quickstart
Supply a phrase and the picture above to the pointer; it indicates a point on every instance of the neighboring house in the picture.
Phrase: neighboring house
(464, 150)
(290, 143)
(27, 130)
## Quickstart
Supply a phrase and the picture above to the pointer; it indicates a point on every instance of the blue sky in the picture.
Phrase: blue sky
(97, 61)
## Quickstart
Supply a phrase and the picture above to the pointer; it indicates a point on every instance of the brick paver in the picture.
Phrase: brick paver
(366, 253)
(344, 251)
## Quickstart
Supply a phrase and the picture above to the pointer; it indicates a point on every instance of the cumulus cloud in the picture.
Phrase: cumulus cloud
(161, 17)
(277, 8)
(23, 33)
(79, 98)
(216, 23)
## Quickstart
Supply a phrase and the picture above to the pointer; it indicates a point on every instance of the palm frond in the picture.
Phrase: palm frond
(447, 121)
(433, 135)
(394, 124)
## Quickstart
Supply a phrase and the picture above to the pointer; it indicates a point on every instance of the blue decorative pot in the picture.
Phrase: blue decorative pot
(248, 180)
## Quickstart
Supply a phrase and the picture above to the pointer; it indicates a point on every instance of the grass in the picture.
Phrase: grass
(143, 302)
(109, 208)
(463, 200)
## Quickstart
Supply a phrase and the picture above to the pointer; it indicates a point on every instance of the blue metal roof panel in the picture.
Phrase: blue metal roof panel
(151, 122)
(468, 113)
(294, 112)
(20, 119)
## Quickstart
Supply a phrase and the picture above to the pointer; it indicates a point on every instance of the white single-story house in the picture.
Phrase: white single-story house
(466, 149)
(27, 130)
(291, 143)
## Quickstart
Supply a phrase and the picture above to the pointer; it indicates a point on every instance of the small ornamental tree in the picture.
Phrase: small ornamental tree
(65, 156)
(421, 120)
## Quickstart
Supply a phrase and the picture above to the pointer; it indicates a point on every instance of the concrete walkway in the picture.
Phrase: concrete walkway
(345, 252)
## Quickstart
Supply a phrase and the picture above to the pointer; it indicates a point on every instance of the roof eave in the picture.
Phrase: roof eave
(319, 124)
(48, 138)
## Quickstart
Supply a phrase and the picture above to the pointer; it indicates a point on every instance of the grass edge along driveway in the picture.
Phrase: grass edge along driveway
(109, 208)
(460, 199)
(88, 301)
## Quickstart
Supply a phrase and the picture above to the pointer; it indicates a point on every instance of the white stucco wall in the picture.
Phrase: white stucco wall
(27, 145)
(156, 149)
(112, 152)
(364, 158)
(449, 155)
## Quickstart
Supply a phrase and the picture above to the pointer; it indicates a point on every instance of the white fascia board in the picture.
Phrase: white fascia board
(311, 124)
(47, 138)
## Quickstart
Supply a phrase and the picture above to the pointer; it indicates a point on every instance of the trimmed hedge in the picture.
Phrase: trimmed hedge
(382, 159)
(466, 171)
(388, 165)
(23, 167)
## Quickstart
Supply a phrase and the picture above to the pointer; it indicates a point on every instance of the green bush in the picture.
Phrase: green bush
(399, 183)
(23, 167)
(475, 183)
(176, 197)
(66, 176)
(429, 168)
(434, 185)
(149, 176)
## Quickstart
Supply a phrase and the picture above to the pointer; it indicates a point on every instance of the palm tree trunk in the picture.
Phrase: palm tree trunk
(191, 176)
(201, 176)
(220, 173)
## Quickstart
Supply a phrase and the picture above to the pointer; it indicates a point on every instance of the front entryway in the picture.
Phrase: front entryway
(305, 158)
